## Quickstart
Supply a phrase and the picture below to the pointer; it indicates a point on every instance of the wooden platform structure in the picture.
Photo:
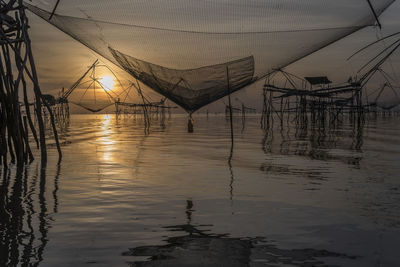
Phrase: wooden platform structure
(308, 98)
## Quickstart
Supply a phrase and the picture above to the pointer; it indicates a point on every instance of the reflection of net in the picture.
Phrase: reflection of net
(200, 49)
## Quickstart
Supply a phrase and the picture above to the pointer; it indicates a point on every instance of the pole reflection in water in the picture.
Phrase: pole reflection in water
(24, 216)
(231, 172)
(201, 248)
(295, 195)
(315, 141)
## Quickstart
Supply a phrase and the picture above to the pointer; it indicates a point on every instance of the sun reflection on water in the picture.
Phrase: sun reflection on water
(106, 141)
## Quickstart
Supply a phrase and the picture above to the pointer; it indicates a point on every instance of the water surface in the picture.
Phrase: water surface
(289, 197)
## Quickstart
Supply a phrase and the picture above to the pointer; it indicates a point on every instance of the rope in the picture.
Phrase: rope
(30, 7)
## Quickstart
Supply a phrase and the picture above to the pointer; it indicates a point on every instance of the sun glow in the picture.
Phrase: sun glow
(107, 82)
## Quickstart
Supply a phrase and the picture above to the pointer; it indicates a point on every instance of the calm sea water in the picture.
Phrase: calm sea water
(288, 197)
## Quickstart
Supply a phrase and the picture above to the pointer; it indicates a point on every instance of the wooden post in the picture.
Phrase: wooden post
(190, 123)
(230, 104)
(16, 65)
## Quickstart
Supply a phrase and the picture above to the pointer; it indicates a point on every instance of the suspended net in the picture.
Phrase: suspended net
(97, 89)
(91, 98)
(197, 51)
(378, 69)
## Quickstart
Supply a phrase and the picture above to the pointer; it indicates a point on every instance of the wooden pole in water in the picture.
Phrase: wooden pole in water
(16, 58)
(190, 123)
(230, 104)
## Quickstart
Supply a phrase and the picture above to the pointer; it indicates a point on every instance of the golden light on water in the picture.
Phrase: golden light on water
(107, 82)
(106, 140)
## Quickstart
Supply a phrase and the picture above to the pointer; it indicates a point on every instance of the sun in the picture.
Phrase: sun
(107, 82)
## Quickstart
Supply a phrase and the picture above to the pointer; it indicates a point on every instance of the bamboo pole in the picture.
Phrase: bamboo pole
(16, 68)
(230, 104)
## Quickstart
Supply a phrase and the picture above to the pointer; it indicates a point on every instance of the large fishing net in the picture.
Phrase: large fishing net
(197, 51)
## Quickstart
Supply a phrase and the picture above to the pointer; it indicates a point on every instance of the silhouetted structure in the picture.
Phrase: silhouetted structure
(17, 72)
(188, 74)
(311, 98)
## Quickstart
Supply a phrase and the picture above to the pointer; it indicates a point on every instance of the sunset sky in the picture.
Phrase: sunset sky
(62, 60)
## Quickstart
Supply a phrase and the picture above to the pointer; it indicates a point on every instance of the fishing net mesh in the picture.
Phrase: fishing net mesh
(96, 90)
(195, 52)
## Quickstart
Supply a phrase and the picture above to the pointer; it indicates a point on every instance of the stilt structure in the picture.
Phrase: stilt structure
(18, 72)
(155, 108)
(148, 109)
(311, 98)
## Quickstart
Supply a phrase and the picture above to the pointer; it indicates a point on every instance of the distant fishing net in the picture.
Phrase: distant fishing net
(379, 69)
(91, 104)
(195, 52)
(97, 89)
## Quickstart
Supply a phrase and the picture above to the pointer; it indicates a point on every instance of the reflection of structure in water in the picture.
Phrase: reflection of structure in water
(22, 242)
(198, 248)
(316, 141)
